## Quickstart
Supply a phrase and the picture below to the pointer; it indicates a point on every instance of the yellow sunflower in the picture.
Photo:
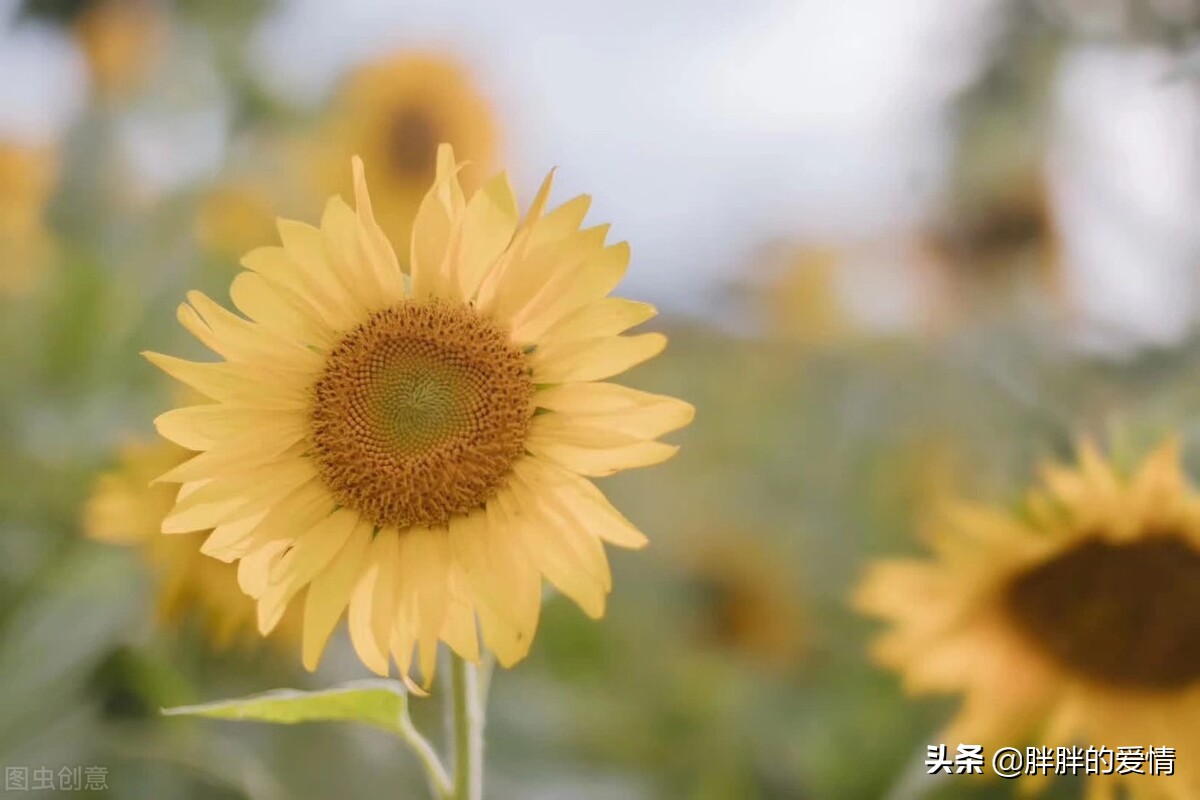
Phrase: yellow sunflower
(748, 602)
(413, 447)
(233, 218)
(992, 249)
(120, 40)
(394, 112)
(124, 509)
(27, 176)
(804, 303)
(1072, 623)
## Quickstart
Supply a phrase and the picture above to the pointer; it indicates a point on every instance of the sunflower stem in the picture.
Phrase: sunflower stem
(468, 729)
(439, 781)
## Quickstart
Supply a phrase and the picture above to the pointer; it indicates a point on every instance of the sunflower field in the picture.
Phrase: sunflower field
(763, 401)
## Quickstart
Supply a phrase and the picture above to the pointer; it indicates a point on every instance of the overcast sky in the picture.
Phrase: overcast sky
(703, 129)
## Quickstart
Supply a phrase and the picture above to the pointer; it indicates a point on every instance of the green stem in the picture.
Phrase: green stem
(468, 729)
(439, 781)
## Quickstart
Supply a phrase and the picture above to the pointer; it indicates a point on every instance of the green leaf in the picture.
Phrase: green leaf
(380, 703)
(376, 702)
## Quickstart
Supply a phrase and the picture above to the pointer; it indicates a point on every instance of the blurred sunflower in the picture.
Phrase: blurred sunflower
(233, 218)
(414, 447)
(803, 303)
(747, 601)
(120, 40)
(992, 247)
(394, 112)
(27, 177)
(125, 509)
(1073, 623)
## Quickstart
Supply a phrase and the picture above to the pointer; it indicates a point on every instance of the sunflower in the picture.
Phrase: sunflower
(394, 112)
(804, 303)
(233, 218)
(996, 246)
(992, 235)
(1074, 622)
(413, 447)
(748, 603)
(124, 509)
(120, 40)
(27, 176)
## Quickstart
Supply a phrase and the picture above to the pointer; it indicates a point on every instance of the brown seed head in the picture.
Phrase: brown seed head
(420, 413)
(413, 138)
(1121, 614)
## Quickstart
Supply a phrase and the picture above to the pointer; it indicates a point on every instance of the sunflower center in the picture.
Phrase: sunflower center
(419, 414)
(412, 142)
(1123, 614)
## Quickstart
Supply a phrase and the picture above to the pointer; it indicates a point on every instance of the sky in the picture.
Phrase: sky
(702, 131)
(699, 134)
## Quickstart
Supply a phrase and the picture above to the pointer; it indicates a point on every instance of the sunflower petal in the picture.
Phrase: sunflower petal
(239, 455)
(528, 281)
(614, 407)
(593, 359)
(459, 630)
(582, 501)
(219, 501)
(237, 339)
(380, 254)
(491, 220)
(584, 450)
(330, 593)
(255, 567)
(308, 555)
(362, 599)
(425, 566)
(434, 230)
(571, 286)
(343, 242)
(386, 601)
(230, 540)
(560, 223)
(564, 567)
(278, 268)
(237, 384)
(304, 245)
(607, 316)
(277, 310)
(206, 426)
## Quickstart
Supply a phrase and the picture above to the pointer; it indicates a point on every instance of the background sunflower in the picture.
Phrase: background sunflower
(127, 508)
(394, 112)
(27, 174)
(1068, 622)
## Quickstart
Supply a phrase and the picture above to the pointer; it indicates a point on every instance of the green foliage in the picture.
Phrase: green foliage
(380, 703)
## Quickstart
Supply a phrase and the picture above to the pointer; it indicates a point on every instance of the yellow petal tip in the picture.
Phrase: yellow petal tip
(412, 686)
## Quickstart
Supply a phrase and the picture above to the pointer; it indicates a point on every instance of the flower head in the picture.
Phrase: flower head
(121, 40)
(415, 447)
(804, 302)
(394, 112)
(749, 605)
(125, 509)
(233, 218)
(1077, 622)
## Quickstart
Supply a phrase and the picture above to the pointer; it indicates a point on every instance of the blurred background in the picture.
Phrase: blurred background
(905, 250)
